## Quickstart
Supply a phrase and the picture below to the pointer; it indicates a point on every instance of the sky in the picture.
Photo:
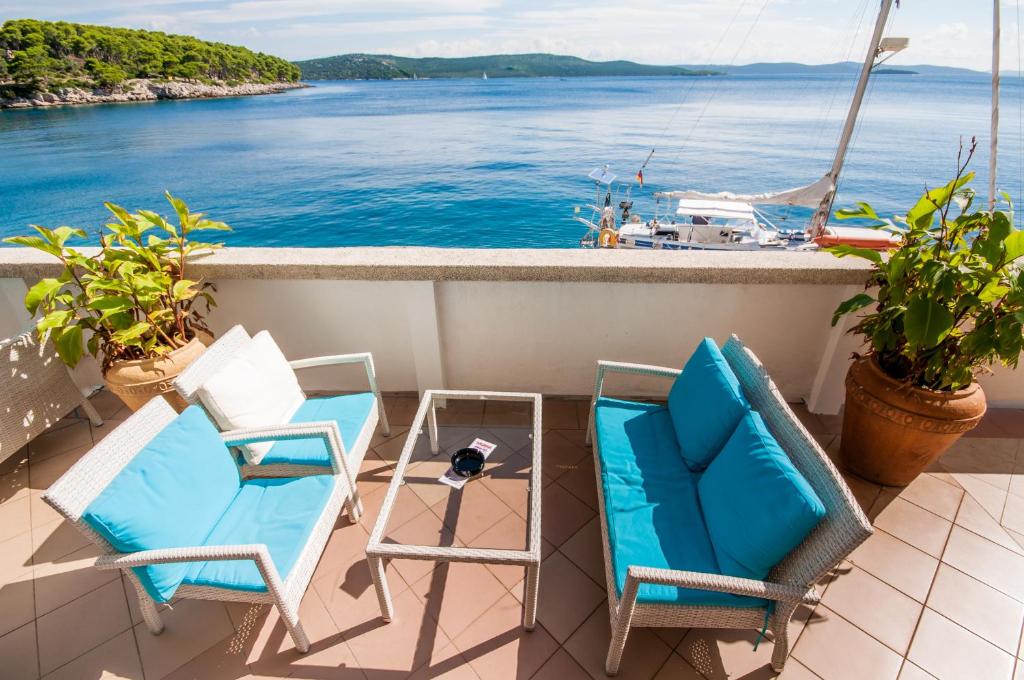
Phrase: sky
(946, 32)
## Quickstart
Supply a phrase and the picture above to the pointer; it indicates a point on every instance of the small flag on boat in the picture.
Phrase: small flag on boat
(640, 172)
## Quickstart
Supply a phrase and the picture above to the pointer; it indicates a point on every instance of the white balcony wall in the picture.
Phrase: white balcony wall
(315, 318)
(547, 336)
(530, 320)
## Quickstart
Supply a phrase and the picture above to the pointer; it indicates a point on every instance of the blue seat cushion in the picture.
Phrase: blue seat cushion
(706, 401)
(170, 495)
(349, 411)
(278, 512)
(757, 505)
(651, 506)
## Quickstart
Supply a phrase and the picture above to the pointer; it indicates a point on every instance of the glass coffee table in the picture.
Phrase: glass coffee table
(462, 525)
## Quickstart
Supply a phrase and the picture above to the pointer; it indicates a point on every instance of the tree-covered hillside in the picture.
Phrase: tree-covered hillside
(45, 55)
(388, 67)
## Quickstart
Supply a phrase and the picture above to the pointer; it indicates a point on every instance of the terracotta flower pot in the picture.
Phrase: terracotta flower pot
(136, 382)
(892, 432)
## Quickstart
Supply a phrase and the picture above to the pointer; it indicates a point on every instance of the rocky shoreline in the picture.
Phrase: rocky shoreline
(143, 90)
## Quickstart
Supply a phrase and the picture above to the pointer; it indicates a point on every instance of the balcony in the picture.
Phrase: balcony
(938, 590)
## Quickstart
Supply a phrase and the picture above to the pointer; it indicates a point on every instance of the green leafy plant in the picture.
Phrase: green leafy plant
(949, 300)
(132, 299)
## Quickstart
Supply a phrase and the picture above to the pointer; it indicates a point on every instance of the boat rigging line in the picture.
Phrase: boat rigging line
(993, 153)
(877, 47)
(686, 95)
(857, 20)
(867, 100)
(718, 84)
(1020, 107)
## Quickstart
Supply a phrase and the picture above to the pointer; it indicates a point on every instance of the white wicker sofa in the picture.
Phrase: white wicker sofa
(354, 416)
(654, 506)
(164, 499)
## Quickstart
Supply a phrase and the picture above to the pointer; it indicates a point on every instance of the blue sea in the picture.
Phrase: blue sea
(495, 163)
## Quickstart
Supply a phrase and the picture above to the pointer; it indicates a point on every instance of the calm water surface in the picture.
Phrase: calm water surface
(497, 163)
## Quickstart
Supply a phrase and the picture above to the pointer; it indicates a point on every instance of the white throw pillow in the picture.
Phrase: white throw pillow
(256, 388)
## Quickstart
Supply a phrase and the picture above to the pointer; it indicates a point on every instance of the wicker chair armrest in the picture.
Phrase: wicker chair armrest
(257, 552)
(325, 431)
(333, 360)
(733, 585)
(199, 553)
(604, 366)
(364, 358)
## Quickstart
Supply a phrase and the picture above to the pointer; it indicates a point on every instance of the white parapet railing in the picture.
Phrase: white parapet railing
(527, 320)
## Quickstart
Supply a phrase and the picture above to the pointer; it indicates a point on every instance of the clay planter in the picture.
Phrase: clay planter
(892, 432)
(136, 382)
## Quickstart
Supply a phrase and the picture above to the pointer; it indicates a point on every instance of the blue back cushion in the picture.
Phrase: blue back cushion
(170, 495)
(706, 402)
(757, 506)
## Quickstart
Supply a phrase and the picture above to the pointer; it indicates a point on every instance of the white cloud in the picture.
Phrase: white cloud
(284, 10)
(381, 28)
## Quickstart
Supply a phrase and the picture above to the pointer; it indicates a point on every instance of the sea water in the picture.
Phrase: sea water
(489, 164)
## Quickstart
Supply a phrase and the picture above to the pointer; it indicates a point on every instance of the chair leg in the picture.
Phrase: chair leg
(354, 507)
(146, 605)
(781, 651)
(295, 629)
(385, 426)
(620, 631)
(780, 630)
(91, 413)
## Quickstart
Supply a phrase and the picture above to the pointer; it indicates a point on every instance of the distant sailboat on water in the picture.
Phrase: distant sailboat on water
(485, 76)
(729, 221)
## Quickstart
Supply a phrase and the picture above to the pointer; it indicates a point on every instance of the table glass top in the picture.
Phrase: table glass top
(491, 510)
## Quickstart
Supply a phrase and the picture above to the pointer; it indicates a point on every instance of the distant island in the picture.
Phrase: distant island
(45, 63)
(390, 67)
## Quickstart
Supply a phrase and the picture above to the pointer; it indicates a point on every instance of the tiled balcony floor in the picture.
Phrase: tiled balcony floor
(938, 591)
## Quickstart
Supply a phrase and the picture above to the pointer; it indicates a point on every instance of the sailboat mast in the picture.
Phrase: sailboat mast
(994, 139)
(820, 218)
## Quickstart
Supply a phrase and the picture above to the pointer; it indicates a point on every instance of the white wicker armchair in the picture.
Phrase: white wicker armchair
(791, 583)
(189, 382)
(37, 389)
(83, 482)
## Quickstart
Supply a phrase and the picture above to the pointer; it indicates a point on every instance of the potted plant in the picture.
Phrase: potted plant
(130, 303)
(948, 303)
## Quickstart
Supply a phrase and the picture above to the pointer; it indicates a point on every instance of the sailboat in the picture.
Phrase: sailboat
(484, 76)
(728, 221)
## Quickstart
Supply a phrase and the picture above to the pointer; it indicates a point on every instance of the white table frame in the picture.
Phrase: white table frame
(378, 554)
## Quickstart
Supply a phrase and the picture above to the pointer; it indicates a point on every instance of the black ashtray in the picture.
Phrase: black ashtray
(467, 462)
